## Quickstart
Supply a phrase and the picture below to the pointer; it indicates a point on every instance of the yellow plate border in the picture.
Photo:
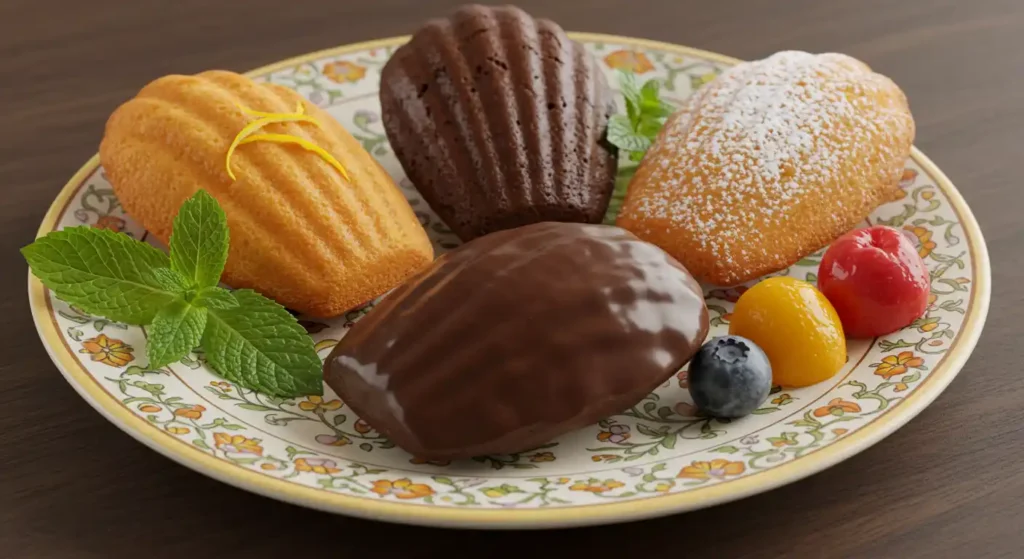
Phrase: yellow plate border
(608, 513)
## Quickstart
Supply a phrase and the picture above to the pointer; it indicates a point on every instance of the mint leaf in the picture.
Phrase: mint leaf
(649, 127)
(261, 346)
(176, 330)
(649, 93)
(651, 104)
(199, 241)
(621, 133)
(215, 298)
(630, 94)
(645, 115)
(103, 273)
(170, 280)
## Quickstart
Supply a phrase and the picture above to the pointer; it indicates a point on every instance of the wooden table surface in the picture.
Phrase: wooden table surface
(948, 484)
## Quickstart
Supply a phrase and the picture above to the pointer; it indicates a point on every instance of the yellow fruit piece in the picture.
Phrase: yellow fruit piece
(797, 328)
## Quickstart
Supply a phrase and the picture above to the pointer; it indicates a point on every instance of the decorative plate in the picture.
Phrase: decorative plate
(656, 458)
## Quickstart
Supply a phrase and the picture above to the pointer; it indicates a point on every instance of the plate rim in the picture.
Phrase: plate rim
(605, 513)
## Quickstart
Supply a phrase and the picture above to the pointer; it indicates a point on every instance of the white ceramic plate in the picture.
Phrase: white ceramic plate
(654, 459)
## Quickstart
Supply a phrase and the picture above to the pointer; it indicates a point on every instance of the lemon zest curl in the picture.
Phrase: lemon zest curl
(247, 135)
(306, 144)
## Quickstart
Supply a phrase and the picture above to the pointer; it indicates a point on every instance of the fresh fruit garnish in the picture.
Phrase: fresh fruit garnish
(796, 326)
(876, 281)
(246, 337)
(646, 112)
(729, 377)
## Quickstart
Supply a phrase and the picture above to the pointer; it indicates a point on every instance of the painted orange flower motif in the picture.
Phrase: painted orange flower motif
(894, 365)
(928, 324)
(542, 457)
(237, 444)
(149, 408)
(596, 486)
(684, 378)
(343, 71)
(190, 412)
(837, 407)
(401, 488)
(362, 427)
(317, 404)
(927, 195)
(931, 300)
(615, 434)
(663, 486)
(719, 468)
(907, 179)
(267, 466)
(900, 387)
(178, 430)
(782, 399)
(321, 466)
(779, 442)
(110, 222)
(602, 457)
(925, 244)
(629, 60)
(225, 386)
(108, 351)
(839, 432)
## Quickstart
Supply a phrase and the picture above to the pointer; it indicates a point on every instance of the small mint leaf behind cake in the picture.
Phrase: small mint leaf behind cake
(635, 131)
(646, 111)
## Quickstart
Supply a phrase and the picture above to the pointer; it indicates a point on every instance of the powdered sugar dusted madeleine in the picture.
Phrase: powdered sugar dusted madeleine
(770, 162)
(303, 233)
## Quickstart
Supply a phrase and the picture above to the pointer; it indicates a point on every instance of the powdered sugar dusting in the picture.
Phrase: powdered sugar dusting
(752, 147)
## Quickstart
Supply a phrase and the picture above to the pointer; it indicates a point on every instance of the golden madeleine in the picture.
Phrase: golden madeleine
(315, 222)
(769, 162)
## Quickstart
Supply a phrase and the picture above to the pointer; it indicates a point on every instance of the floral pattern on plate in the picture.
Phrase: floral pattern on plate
(659, 446)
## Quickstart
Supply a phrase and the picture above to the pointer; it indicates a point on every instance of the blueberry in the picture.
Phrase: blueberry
(729, 377)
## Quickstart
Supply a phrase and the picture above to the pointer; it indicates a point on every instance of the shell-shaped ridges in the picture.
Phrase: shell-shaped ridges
(300, 233)
(499, 120)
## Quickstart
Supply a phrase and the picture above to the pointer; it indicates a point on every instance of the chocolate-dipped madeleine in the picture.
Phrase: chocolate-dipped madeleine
(499, 120)
(517, 337)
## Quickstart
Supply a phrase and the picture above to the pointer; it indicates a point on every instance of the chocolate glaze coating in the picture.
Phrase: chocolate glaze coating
(517, 337)
(500, 120)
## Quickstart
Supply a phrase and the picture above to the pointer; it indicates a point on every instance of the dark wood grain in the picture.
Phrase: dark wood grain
(948, 484)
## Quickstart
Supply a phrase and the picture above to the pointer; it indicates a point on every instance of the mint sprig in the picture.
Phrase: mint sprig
(247, 337)
(646, 111)
(199, 240)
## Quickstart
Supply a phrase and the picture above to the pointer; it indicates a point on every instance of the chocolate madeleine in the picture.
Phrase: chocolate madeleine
(515, 338)
(499, 120)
